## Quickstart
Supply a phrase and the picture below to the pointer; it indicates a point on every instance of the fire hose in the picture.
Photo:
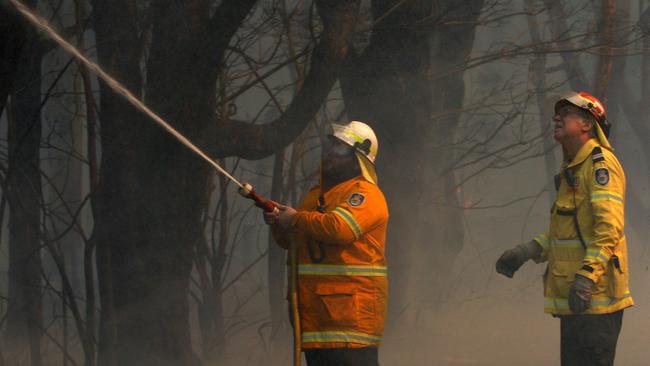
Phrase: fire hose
(245, 189)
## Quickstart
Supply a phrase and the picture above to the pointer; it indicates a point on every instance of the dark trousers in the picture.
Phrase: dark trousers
(589, 339)
(366, 356)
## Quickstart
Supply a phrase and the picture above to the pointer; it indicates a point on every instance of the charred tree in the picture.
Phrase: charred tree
(116, 185)
(13, 36)
(604, 68)
(452, 40)
(387, 87)
(635, 110)
(408, 85)
(537, 72)
(24, 313)
(211, 261)
(560, 32)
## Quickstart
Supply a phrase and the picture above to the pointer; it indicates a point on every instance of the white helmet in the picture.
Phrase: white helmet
(363, 140)
(359, 136)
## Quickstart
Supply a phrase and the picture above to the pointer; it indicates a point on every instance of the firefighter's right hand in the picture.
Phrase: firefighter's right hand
(271, 218)
(510, 261)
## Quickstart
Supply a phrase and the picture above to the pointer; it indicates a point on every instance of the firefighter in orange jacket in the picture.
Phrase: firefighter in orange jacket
(586, 281)
(340, 232)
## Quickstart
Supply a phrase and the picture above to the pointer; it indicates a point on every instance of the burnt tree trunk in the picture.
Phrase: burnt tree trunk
(606, 36)
(24, 314)
(452, 39)
(387, 87)
(119, 53)
(561, 33)
(13, 36)
(635, 110)
(537, 72)
(390, 85)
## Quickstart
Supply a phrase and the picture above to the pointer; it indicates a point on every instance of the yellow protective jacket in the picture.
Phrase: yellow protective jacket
(591, 197)
(342, 274)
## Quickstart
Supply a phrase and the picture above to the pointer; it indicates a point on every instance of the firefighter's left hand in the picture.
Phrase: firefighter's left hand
(286, 217)
(580, 294)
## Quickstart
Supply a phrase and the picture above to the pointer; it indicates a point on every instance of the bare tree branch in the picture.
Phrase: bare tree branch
(254, 142)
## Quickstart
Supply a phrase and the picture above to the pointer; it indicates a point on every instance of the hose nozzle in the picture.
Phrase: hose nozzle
(247, 191)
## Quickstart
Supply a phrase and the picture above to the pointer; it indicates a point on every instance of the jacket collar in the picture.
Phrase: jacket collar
(583, 153)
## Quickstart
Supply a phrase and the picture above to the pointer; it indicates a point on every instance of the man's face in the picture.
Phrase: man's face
(569, 124)
(337, 156)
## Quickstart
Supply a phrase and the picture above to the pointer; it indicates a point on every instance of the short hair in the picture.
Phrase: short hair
(589, 118)
(592, 132)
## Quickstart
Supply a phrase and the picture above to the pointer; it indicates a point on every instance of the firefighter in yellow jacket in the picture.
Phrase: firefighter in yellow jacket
(340, 230)
(586, 280)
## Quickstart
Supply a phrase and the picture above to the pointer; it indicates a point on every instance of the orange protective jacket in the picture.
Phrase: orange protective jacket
(342, 275)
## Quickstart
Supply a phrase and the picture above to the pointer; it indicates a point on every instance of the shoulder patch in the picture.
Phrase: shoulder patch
(356, 199)
(602, 176)
(597, 154)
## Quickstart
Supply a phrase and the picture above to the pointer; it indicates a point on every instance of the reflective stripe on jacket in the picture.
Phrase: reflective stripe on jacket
(342, 274)
(596, 198)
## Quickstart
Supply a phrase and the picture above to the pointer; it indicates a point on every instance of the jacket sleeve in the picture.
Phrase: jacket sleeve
(607, 198)
(542, 241)
(361, 210)
(280, 236)
(327, 227)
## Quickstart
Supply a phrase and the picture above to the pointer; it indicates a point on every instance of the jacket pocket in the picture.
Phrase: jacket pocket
(617, 278)
(562, 274)
(338, 303)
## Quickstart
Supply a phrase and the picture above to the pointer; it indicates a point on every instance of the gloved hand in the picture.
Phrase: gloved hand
(580, 294)
(512, 259)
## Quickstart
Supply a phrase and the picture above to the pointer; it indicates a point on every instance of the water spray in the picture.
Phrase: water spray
(245, 189)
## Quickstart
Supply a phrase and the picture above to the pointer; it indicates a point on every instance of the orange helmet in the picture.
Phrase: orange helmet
(589, 103)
